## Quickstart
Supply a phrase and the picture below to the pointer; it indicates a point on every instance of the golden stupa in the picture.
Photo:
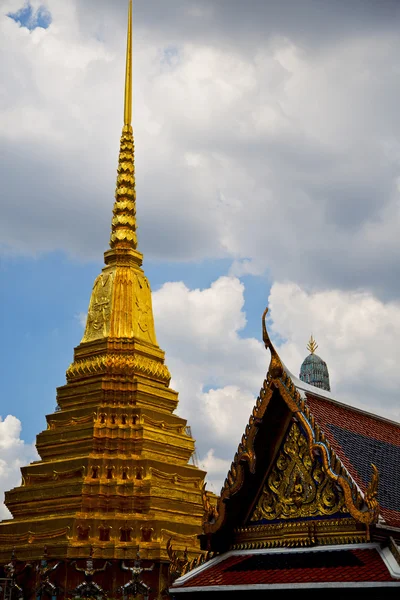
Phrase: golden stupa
(115, 472)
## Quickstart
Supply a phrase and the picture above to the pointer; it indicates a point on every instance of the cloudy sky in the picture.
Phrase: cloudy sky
(268, 172)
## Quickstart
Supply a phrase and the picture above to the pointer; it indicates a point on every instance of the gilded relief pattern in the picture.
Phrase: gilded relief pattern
(98, 318)
(143, 306)
(120, 306)
(127, 365)
(297, 486)
(364, 509)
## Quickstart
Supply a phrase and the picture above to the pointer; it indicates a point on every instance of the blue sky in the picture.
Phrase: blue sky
(263, 176)
(31, 18)
(41, 304)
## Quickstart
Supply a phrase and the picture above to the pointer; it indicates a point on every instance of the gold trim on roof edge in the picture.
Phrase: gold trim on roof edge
(363, 508)
(295, 534)
(31, 536)
(180, 564)
(124, 365)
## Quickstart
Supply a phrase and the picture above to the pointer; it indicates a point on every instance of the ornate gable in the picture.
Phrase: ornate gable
(297, 486)
(286, 485)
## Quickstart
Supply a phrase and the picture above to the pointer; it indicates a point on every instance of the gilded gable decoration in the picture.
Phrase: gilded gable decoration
(364, 510)
(297, 486)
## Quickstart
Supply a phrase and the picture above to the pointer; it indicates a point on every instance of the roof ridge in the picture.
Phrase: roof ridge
(305, 387)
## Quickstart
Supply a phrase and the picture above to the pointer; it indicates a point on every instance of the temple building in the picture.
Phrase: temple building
(115, 507)
(314, 370)
(115, 475)
(311, 503)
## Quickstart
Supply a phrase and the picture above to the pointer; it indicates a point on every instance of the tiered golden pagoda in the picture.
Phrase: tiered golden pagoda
(115, 471)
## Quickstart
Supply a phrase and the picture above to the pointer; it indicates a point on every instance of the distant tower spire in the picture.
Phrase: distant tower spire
(123, 225)
(314, 370)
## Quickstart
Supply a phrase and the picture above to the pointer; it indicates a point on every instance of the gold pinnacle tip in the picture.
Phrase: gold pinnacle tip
(312, 345)
(128, 75)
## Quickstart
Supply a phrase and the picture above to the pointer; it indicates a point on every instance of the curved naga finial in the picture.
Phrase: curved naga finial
(276, 367)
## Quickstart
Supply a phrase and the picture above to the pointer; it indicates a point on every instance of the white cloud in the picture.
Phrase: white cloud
(219, 374)
(260, 147)
(214, 369)
(217, 469)
(254, 146)
(218, 371)
(14, 453)
(358, 338)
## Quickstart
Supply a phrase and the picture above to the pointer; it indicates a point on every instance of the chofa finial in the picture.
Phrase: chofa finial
(276, 367)
(312, 345)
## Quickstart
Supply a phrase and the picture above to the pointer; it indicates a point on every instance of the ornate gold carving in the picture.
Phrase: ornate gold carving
(184, 540)
(276, 367)
(124, 365)
(297, 486)
(143, 303)
(318, 443)
(292, 534)
(177, 563)
(132, 314)
(31, 536)
(175, 478)
(210, 510)
(120, 306)
(278, 378)
(98, 319)
(180, 564)
(32, 478)
(180, 429)
(54, 423)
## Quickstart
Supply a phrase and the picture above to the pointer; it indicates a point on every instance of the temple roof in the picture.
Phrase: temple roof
(359, 453)
(360, 439)
(345, 566)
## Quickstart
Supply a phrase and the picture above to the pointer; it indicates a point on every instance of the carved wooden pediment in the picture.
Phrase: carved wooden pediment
(297, 486)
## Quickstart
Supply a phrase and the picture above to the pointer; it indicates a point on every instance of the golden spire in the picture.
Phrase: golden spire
(123, 226)
(312, 345)
(120, 304)
(128, 74)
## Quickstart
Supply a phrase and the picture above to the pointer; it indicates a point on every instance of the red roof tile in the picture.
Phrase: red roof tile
(249, 569)
(360, 439)
(372, 426)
